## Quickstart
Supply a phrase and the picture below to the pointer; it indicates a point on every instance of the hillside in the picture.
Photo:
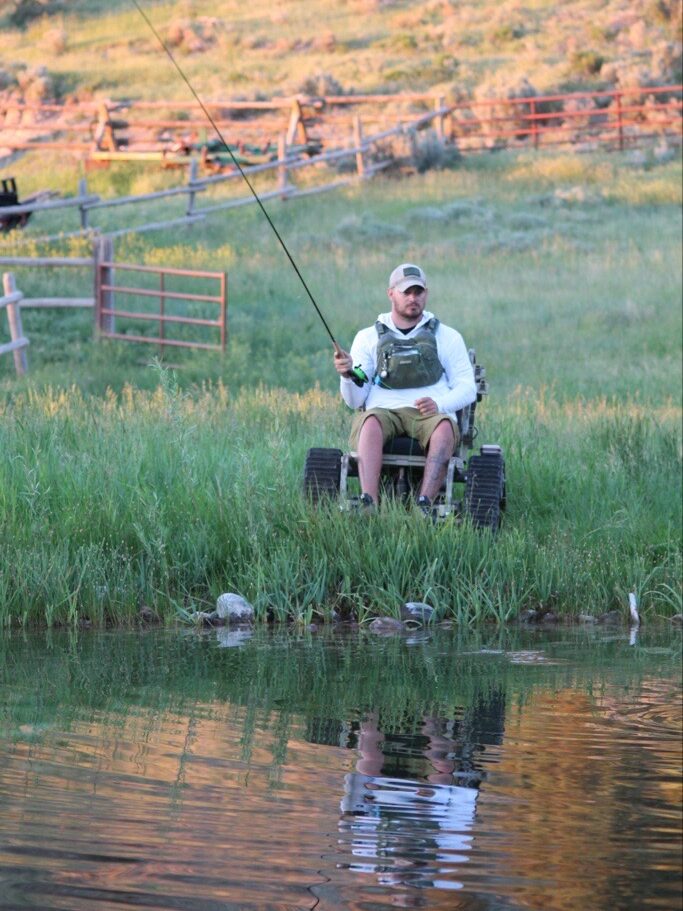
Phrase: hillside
(92, 48)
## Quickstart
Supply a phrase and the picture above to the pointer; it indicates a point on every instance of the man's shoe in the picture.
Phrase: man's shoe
(367, 504)
(425, 505)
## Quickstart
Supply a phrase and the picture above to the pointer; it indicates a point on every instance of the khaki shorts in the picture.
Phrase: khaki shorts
(402, 422)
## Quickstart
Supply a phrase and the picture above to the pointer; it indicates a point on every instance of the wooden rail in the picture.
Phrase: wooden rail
(11, 302)
(54, 262)
(108, 290)
(612, 119)
(282, 165)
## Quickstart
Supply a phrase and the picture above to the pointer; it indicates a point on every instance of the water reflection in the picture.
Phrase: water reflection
(409, 808)
(166, 772)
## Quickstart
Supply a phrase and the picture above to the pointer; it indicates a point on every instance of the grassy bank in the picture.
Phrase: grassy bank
(122, 485)
(164, 500)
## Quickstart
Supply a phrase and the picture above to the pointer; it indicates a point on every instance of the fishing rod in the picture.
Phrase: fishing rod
(357, 374)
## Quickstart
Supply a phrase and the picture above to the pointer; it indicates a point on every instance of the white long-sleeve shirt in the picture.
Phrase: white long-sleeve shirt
(452, 391)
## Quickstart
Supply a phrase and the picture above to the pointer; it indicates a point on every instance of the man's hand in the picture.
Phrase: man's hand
(343, 363)
(426, 406)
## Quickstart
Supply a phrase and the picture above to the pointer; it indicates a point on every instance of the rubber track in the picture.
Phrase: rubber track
(484, 489)
(322, 471)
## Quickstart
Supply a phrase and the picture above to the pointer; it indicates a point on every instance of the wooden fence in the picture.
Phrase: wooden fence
(361, 152)
(106, 291)
(617, 119)
(166, 130)
(11, 302)
(57, 262)
(171, 131)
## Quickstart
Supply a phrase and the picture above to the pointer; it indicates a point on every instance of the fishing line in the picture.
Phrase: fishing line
(237, 165)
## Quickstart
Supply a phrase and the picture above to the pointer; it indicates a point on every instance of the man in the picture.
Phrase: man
(418, 375)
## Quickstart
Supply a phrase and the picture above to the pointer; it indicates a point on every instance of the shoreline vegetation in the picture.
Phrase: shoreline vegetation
(127, 486)
(163, 500)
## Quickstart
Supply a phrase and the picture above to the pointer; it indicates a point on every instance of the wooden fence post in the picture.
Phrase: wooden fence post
(358, 145)
(297, 127)
(620, 122)
(439, 102)
(282, 165)
(534, 122)
(105, 140)
(104, 275)
(18, 341)
(412, 143)
(194, 170)
(83, 191)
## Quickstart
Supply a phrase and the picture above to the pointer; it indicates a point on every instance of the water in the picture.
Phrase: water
(504, 770)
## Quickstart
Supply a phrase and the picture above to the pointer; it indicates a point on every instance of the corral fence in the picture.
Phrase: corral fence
(10, 302)
(172, 299)
(367, 154)
(108, 292)
(617, 119)
(170, 132)
(582, 120)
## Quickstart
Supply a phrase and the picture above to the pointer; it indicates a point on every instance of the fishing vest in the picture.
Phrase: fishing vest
(407, 363)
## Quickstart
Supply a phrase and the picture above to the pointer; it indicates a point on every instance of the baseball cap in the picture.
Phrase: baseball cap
(406, 275)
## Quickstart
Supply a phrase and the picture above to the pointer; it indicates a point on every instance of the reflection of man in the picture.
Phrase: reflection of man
(404, 829)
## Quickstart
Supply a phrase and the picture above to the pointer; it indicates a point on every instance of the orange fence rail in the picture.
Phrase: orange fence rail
(107, 313)
(617, 119)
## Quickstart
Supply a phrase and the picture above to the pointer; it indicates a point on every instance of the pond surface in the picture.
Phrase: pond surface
(201, 771)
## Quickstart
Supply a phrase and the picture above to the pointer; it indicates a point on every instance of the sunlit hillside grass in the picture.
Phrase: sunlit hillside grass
(261, 49)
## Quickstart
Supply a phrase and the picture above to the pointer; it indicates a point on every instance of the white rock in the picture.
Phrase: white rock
(416, 611)
(234, 608)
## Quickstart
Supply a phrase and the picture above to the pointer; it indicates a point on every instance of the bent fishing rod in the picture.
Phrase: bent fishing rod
(357, 375)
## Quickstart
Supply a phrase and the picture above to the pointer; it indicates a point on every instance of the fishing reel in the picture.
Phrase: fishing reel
(358, 376)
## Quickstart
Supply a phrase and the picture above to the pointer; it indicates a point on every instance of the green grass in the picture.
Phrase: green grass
(563, 272)
(166, 500)
(124, 485)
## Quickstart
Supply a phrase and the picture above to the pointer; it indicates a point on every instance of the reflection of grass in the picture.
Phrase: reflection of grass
(62, 678)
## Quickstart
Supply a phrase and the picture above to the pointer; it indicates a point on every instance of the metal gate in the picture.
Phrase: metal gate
(108, 311)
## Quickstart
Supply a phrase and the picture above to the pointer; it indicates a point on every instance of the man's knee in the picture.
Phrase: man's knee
(371, 425)
(443, 437)
(367, 428)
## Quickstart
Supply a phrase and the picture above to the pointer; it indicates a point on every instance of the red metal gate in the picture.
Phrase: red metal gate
(107, 293)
